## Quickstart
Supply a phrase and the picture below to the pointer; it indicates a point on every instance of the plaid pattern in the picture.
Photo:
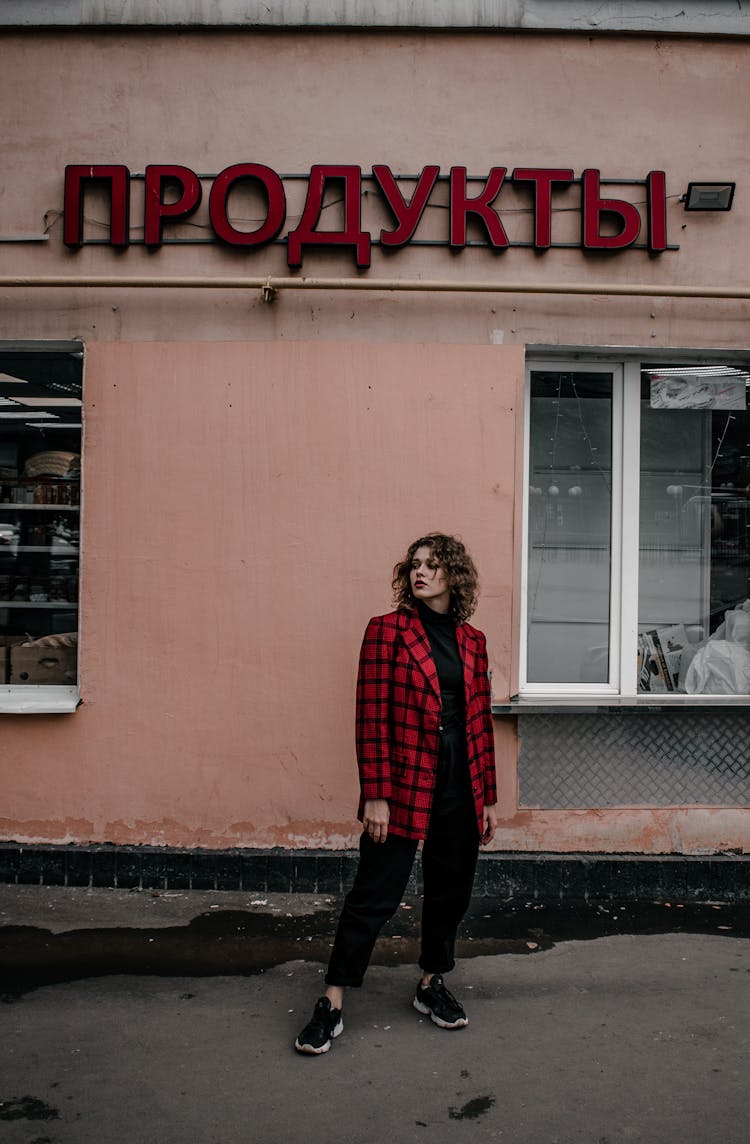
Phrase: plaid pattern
(398, 720)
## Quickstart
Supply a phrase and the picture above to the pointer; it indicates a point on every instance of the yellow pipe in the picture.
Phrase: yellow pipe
(273, 285)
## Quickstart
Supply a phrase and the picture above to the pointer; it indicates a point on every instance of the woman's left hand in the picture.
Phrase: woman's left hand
(489, 824)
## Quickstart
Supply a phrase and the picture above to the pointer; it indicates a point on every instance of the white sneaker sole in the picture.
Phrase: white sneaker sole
(312, 1051)
(420, 1006)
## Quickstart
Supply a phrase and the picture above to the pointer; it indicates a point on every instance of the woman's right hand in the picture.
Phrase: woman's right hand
(375, 818)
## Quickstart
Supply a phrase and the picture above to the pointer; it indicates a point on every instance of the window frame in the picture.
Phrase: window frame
(625, 365)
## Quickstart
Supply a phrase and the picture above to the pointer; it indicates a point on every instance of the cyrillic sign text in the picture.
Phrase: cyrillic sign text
(341, 207)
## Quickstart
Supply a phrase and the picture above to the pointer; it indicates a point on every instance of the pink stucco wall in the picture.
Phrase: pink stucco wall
(244, 506)
(623, 104)
(252, 471)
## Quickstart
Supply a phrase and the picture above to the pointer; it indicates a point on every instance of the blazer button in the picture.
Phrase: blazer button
(440, 726)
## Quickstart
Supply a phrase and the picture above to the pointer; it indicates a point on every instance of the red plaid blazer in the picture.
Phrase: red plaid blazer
(398, 720)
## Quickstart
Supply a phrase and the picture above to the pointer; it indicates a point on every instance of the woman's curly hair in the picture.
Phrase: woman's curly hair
(453, 558)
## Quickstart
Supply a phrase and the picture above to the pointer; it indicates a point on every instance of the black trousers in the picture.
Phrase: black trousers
(449, 859)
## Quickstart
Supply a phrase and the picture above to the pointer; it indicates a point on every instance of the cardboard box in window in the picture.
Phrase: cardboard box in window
(43, 665)
(6, 643)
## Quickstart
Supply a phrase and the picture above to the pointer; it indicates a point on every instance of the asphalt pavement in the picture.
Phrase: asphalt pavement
(624, 1037)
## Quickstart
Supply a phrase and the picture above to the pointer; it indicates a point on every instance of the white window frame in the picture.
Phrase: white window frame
(625, 366)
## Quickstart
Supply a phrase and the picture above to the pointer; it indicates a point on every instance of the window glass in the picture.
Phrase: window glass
(693, 609)
(40, 472)
(569, 527)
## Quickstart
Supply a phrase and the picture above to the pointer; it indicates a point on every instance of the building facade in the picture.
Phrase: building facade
(279, 294)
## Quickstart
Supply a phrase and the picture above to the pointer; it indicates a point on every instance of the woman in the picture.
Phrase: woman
(427, 772)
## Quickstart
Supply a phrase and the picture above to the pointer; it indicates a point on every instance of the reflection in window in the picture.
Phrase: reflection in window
(40, 472)
(693, 612)
(570, 525)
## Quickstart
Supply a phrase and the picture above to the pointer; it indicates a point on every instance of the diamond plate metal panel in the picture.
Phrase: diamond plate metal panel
(626, 759)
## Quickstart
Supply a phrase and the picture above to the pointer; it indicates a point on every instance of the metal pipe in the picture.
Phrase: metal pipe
(271, 285)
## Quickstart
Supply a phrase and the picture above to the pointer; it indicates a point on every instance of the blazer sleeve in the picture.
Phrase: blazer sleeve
(484, 690)
(373, 710)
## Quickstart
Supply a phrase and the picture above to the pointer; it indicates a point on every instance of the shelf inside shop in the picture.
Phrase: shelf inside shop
(8, 507)
(58, 605)
(58, 550)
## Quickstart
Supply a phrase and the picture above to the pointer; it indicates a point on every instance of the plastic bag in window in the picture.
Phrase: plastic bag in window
(736, 626)
(720, 667)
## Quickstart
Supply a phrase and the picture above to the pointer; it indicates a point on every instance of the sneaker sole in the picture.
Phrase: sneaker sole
(420, 1006)
(310, 1050)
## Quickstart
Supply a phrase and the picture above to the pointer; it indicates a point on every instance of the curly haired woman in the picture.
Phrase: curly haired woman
(427, 773)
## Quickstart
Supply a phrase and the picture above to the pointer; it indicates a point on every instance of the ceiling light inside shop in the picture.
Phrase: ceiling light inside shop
(49, 402)
(46, 426)
(41, 415)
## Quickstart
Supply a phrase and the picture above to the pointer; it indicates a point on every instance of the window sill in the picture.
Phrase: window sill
(43, 699)
(602, 705)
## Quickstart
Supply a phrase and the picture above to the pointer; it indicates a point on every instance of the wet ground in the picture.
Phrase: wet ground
(621, 1040)
(78, 934)
(132, 1018)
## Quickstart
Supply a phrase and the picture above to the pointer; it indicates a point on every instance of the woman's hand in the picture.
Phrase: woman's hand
(375, 819)
(489, 824)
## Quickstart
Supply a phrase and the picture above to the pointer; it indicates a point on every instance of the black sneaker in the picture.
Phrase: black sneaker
(442, 1007)
(326, 1023)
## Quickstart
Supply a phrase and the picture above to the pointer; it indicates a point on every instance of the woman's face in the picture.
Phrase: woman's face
(429, 582)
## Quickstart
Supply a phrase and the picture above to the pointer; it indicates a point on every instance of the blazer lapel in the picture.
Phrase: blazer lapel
(467, 651)
(416, 642)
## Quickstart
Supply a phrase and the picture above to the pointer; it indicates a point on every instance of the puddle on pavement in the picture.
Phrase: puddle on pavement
(27, 1108)
(223, 941)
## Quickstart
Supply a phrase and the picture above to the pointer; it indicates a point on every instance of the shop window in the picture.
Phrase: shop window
(40, 481)
(637, 529)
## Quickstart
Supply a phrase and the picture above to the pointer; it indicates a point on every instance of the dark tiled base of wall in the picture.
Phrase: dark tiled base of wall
(548, 878)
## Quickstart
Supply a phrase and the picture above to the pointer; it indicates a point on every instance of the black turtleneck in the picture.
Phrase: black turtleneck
(441, 632)
(452, 783)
